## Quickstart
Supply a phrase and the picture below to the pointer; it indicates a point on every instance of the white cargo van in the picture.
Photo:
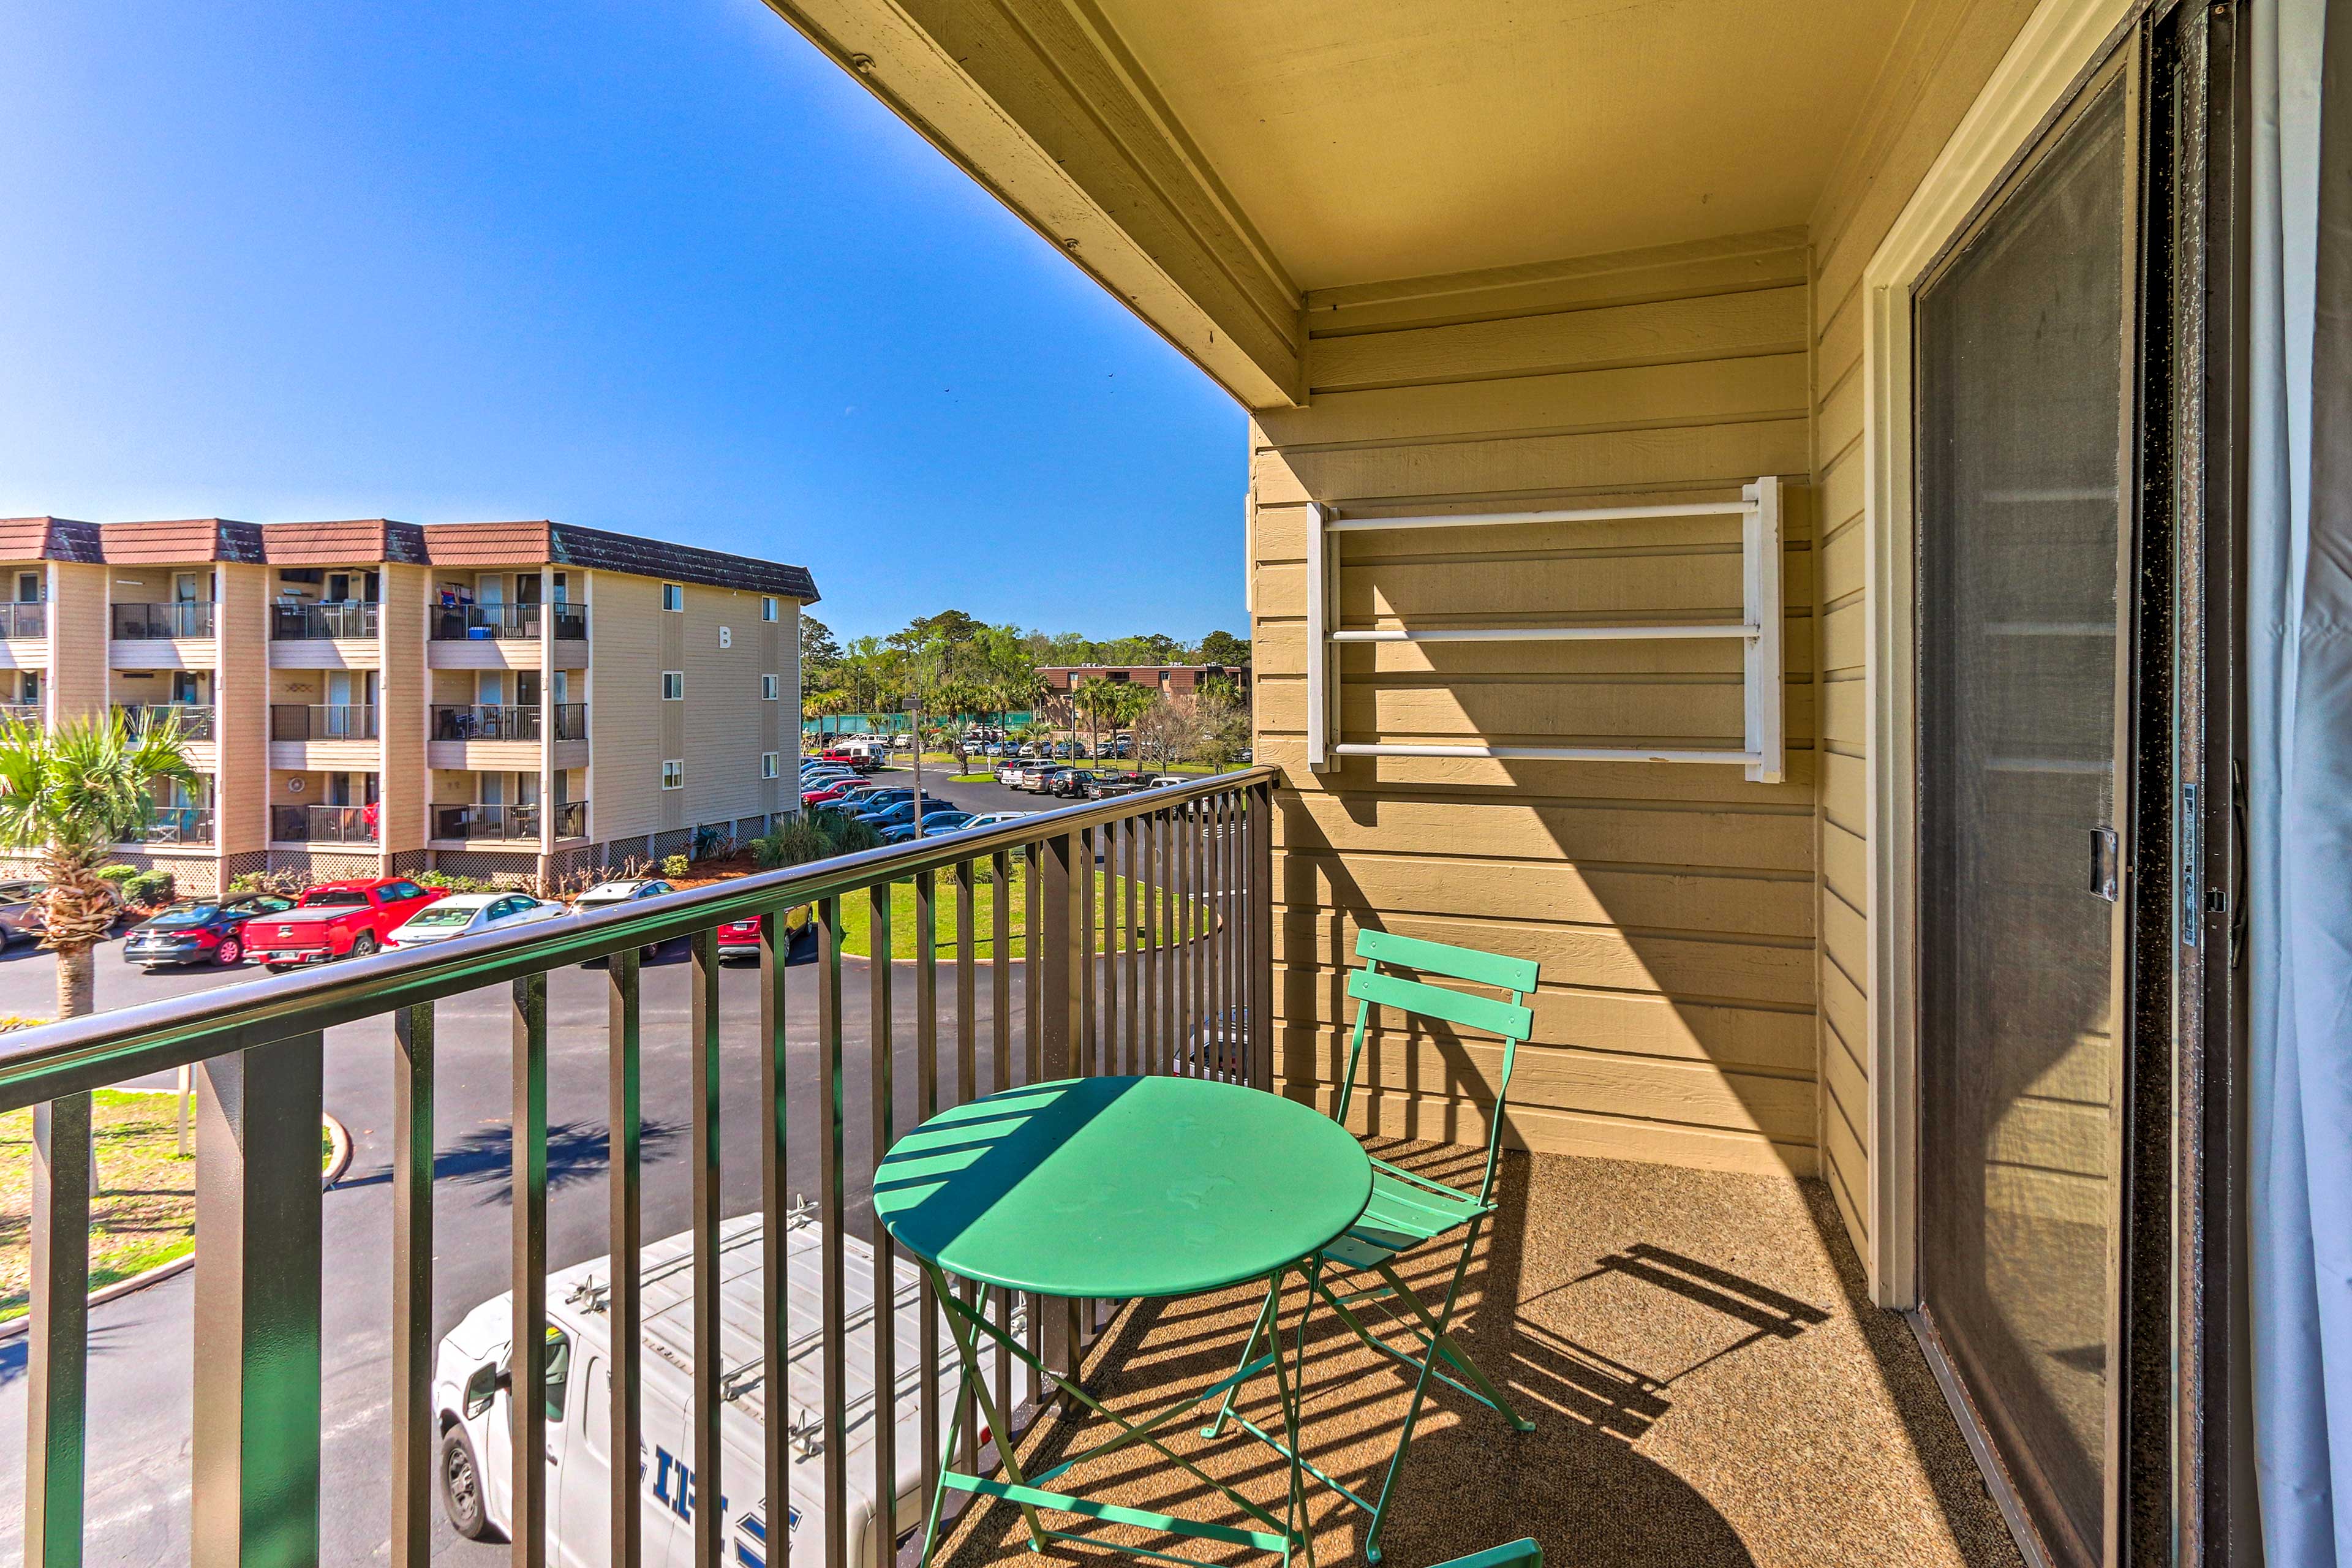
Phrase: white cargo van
(475, 1469)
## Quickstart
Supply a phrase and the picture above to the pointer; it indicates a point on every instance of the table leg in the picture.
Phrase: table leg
(1290, 1386)
(976, 1380)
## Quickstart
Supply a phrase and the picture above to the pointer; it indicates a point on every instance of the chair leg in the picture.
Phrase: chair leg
(1440, 1342)
(1216, 1425)
(1435, 1328)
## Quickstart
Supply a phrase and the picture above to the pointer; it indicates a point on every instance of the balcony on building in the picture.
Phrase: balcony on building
(323, 824)
(325, 619)
(501, 736)
(182, 823)
(163, 633)
(21, 691)
(488, 822)
(24, 621)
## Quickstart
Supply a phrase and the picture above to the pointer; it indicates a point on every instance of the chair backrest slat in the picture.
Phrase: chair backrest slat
(1507, 1019)
(1455, 963)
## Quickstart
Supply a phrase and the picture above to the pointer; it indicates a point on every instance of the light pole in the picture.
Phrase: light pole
(914, 707)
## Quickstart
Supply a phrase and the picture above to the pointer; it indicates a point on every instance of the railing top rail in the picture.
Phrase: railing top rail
(86, 1053)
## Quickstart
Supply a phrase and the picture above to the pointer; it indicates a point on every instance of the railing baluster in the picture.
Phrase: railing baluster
(1229, 910)
(527, 1389)
(926, 1105)
(1129, 949)
(1205, 948)
(413, 1433)
(1053, 951)
(255, 1427)
(706, 1484)
(1164, 930)
(58, 1360)
(832, 1182)
(1086, 1060)
(1033, 974)
(1262, 936)
(881, 1050)
(626, 1129)
(967, 1077)
(999, 979)
(775, 1241)
(1180, 865)
(1107, 904)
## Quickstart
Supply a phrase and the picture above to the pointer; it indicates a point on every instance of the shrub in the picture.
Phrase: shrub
(796, 842)
(450, 882)
(117, 874)
(675, 865)
(849, 835)
(148, 887)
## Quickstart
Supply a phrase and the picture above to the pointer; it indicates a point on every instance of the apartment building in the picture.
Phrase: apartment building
(503, 699)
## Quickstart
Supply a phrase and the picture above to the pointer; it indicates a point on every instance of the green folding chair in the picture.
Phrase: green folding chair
(1409, 1211)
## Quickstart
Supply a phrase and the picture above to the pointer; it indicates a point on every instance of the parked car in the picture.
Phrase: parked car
(905, 812)
(1034, 777)
(1009, 773)
(199, 931)
(934, 822)
(823, 795)
(336, 919)
(21, 910)
(1070, 783)
(627, 890)
(997, 818)
(470, 914)
(740, 939)
(1106, 785)
(1161, 780)
(874, 803)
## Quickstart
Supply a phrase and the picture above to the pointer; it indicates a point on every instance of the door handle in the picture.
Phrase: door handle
(2105, 863)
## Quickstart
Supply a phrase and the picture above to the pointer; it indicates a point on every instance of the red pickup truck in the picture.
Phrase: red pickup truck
(335, 920)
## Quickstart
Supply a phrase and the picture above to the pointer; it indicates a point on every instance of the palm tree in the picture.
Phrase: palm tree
(69, 794)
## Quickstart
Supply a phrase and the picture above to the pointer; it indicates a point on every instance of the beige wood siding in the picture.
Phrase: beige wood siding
(402, 628)
(78, 638)
(1946, 51)
(1670, 905)
(623, 697)
(241, 690)
(726, 721)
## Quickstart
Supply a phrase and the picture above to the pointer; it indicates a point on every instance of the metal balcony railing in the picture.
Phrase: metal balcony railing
(24, 620)
(194, 718)
(486, 722)
(502, 824)
(496, 623)
(1180, 917)
(181, 825)
(147, 622)
(571, 721)
(337, 621)
(22, 713)
(323, 824)
(572, 819)
(322, 722)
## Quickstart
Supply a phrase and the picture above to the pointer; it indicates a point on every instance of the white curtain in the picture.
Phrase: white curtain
(2299, 607)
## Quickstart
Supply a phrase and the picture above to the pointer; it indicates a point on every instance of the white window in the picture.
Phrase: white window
(769, 687)
(674, 774)
(673, 686)
(673, 595)
(767, 609)
(771, 763)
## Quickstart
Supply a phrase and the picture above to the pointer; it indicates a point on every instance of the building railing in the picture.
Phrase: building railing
(195, 720)
(322, 720)
(25, 620)
(333, 622)
(570, 720)
(504, 824)
(322, 824)
(180, 825)
(1160, 963)
(498, 622)
(486, 722)
(147, 622)
(22, 713)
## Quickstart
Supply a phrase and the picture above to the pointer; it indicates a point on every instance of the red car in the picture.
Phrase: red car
(740, 939)
(335, 920)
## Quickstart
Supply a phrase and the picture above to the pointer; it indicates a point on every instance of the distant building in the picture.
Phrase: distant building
(500, 700)
(1175, 679)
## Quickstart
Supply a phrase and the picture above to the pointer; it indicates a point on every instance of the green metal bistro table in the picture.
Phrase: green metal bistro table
(1112, 1188)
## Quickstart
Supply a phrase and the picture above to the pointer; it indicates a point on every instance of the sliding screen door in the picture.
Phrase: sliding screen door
(2023, 351)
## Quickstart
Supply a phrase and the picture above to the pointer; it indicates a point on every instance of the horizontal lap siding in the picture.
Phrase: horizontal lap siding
(1947, 50)
(1671, 907)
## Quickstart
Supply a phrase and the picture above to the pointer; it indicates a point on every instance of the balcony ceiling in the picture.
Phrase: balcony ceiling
(1371, 139)
(1210, 162)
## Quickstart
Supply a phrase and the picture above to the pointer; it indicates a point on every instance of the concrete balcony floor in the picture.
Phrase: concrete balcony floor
(1708, 1383)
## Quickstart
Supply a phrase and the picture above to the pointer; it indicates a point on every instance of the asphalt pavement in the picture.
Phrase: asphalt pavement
(143, 1345)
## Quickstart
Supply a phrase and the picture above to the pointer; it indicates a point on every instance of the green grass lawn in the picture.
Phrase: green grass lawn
(144, 1215)
(856, 916)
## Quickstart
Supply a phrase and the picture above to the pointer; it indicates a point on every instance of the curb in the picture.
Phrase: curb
(163, 1271)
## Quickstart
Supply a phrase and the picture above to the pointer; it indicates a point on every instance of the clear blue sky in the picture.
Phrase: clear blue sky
(659, 267)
